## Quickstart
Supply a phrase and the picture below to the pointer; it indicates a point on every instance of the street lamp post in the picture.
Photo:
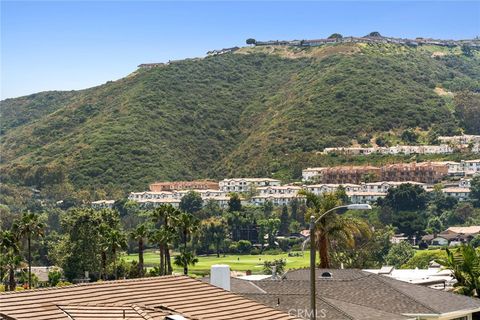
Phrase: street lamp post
(313, 222)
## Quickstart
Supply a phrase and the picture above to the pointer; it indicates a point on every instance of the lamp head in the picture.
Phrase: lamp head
(359, 206)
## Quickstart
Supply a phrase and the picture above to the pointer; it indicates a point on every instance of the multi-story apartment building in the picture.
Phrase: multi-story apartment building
(246, 184)
(276, 199)
(461, 194)
(183, 185)
(174, 197)
(460, 140)
(384, 186)
(426, 172)
(349, 174)
(365, 196)
(429, 149)
(319, 189)
(311, 174)
(471, 167)
(278, 190)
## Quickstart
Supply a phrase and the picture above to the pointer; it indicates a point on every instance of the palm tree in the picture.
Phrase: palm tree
(165, 215)
(116, 240)
(184, 259)
(139, 234)
(464, 263)
(9, 257)
(29, 226)
(186, 224)
(343, 230)
(163, 236)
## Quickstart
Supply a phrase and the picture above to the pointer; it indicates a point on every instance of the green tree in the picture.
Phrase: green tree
(214, 231)
(434, 225)
(191, 202)
(284, 221)
(464, 263)
(116, 240)
(294, 206)
(267, 209)
(335, 36)
(29, 226)
(467, 50)
(270, 227)
(251, 41)
(406, 197)
(475, 190)
(184, 259)
(186, 225)
(332, 226)
(10, 258)
(234, 203)
(409, 136)
(399, 254)
(164, 218)
(374, 34)
(139, 234)
(279, 265)
(467, 109)
(54, 277)
(475, 241)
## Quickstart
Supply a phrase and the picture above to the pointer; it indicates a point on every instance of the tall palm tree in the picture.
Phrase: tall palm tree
(343, 230)
(186, 224)
(9, 257)
(140, 234)
(29, 226)
(165, 216)
(116, 240)
(163, 236)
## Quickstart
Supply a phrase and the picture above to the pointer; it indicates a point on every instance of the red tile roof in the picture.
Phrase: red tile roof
(150, 298)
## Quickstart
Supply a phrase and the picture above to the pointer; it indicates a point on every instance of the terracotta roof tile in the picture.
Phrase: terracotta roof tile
(164, 295)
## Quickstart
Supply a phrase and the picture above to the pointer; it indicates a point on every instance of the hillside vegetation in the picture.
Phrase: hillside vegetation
(260, 111)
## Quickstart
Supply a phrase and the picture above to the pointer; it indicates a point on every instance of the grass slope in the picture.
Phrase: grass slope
(251, 113)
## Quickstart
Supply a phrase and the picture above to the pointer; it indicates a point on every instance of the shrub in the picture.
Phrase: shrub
(279, 263)
(244, 246)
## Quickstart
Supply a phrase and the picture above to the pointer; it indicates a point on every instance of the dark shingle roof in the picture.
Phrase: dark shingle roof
(354, 294)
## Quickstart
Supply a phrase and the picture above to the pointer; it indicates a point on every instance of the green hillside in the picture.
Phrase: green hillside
(255, 112)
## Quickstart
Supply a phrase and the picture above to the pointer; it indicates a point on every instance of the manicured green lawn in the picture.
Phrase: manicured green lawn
(236, 262)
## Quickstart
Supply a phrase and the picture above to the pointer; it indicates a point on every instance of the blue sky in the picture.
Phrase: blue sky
(65, 45)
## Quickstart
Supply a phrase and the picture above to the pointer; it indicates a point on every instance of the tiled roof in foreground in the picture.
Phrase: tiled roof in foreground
(146, 298)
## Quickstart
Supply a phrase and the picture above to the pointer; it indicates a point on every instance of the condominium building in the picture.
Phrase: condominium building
(471, 167)
(426, 172)
(348, 174)
(459, 140)
(276, 199)
(365, 196)
(173, 198)
(246, 184)
(319, 189)
(277, 190)
(461, 194)
(310, 174)
(183, 185)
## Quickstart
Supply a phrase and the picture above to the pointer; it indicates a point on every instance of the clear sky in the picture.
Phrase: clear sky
(65, 45)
